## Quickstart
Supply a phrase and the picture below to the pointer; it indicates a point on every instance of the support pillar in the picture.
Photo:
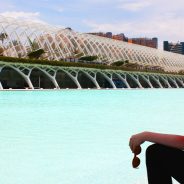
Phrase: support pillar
(173, 80)
(92, 76)
(20, 70)
(109, 79)
(1, 87)
(136, 79)
(166, 81)
(181, 82)
(73, 74)
(157, 80)
(122, 77)
(51, 77)
(146, 78)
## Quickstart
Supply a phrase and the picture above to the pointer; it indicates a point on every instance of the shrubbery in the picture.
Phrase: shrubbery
(36, 54)
(36, 51)
(120, 63)
(88, 58)
(55, 63)
(181, 72)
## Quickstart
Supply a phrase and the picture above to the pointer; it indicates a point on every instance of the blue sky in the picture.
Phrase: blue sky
(136, 18)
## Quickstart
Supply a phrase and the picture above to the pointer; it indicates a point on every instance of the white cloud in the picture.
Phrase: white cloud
(6, 5)
(21, 14)
(31, 16)
(135, 6)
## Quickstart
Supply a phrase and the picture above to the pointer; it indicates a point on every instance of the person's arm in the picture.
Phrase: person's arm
(176, 141)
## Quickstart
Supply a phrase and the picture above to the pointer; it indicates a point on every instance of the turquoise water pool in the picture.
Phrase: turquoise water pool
(81, 136)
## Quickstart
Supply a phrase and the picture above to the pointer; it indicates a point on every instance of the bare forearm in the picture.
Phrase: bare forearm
(176, 141)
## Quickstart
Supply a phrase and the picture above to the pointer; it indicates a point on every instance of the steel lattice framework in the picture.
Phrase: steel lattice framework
(59, 43)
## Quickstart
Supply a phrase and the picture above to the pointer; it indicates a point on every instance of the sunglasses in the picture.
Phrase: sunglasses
(136, 161)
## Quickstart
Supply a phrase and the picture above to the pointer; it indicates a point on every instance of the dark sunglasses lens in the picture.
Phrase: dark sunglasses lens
(135, 162)
(137, 150)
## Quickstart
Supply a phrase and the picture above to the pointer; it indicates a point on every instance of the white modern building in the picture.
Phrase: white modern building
(59, 44)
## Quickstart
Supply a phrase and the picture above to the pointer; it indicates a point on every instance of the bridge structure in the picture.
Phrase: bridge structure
(18, 38)
(36, 76)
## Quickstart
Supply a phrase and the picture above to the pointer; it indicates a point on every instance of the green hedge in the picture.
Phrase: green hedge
(119, 63)
(72, 64)
(88, 58)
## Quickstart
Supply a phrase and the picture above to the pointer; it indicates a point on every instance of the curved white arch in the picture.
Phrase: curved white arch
(26, 78)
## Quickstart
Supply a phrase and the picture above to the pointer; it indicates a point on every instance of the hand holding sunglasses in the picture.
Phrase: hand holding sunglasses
(136, 161)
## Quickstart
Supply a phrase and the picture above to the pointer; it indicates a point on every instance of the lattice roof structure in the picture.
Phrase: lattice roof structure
(59, 44)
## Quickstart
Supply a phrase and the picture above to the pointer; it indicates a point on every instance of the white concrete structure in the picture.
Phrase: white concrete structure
(95, 78)
(61, 43)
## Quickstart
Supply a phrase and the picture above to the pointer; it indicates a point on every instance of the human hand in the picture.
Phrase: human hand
(136, 140)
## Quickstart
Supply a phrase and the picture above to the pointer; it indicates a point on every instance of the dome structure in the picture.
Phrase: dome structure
(19, 37)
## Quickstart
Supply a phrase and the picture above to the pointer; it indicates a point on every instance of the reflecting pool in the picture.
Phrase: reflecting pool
(81, 136)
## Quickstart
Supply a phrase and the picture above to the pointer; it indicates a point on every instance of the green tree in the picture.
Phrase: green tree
(88, 58)
(3, 36)
(36, 51)
(120, 63)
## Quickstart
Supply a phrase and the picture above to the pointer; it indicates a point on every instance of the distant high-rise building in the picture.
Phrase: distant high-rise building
(174, 47)
(109, 34)
(153, 42)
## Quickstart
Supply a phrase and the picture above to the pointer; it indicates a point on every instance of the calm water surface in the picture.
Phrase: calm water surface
(81, 136)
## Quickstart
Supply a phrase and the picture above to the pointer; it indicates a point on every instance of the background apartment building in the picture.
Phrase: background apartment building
(174, 47)
(120, 36)
(148, 42)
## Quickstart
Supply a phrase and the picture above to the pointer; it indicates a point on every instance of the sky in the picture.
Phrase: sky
(135, 18)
